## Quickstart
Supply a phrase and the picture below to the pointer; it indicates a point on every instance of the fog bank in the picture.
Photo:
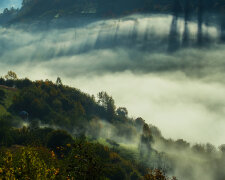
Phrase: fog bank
(180, 92)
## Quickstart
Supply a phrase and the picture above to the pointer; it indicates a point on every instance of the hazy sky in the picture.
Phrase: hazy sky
(9, 3)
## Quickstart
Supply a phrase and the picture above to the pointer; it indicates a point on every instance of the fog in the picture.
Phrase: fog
(181, 92)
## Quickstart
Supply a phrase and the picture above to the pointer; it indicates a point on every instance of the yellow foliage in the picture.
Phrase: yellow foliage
(26, 165)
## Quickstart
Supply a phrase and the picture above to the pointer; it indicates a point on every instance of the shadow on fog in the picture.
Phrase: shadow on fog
(139, 43)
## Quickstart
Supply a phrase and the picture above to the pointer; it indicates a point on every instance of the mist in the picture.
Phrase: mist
(180, 90)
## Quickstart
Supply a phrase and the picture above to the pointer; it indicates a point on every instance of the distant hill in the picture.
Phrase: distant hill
(45, 10)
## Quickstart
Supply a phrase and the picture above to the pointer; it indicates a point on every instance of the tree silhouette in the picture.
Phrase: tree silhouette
(58, 81)
(11, 76)
(200, 21)
(108, 103)
(145, 142)
(185, 40)
(221, 6)
(174, 39)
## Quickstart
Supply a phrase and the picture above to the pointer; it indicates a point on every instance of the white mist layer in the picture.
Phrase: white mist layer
(181, 93)
(181, 108)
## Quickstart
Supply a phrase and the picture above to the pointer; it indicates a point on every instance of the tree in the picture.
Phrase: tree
(108, 103)
(145, 142)
(94, 128)
(198, 148)
(174, 39)
(139, 123)
(122, 111)
(11, 76)
(2, 96)
(185, 40)
(221, 6)
(181, 144)
(6, 11)
(34, 124)
(210, 149)
(200, 21)
(146, 130)
(222, 148)
(58, 81)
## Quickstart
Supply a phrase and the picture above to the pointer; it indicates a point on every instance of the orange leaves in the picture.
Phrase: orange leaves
(56, 172)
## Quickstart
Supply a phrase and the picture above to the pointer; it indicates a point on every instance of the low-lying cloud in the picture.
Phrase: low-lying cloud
(181, 92)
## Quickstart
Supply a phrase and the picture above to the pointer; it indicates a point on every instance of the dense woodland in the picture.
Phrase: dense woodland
(53, 9)
(52, 131)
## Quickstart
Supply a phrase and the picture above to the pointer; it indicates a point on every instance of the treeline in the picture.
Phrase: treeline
(8, 14)
(108, 7)
(51, 9)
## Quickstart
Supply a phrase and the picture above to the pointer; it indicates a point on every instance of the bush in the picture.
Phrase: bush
(58, 138)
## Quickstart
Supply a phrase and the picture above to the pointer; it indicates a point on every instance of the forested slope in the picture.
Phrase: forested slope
(47, 10)
(52, 131)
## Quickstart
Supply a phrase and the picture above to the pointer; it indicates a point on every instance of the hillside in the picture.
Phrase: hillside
(161, 59)
(60, 132)
(51, 10)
